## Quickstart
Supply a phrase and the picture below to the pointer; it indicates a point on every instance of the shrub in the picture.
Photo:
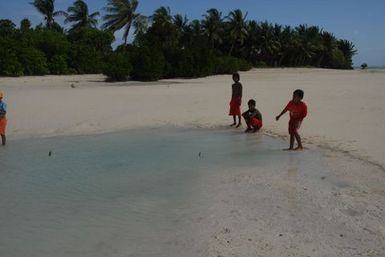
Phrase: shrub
(9, 63)
(227, 65)
(85, 59)
(244, 65)
(58, 65)
(148, 64)
(261, 64)
(33, 61)
(51, 42)
(118, 67)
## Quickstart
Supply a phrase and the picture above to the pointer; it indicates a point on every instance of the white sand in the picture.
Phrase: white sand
(346, 107)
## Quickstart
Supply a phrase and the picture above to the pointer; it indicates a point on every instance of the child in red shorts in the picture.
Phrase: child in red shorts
(298, 111)
(252, 117)
(236, 100)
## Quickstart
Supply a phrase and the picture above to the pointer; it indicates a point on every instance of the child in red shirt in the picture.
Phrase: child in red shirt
(298, 111)
(236, 100)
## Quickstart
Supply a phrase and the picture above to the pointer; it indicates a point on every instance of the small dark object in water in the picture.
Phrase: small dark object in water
(323, 178)
(200, 154)
(73, 86)
(50, 154)
(280, 234)
(341, 235)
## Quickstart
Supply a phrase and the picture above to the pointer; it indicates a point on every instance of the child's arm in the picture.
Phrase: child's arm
(282, 113)
(240, 90)
(3, 112)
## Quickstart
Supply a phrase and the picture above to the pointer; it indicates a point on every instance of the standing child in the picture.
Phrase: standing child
(3, 119)
(252, 117)
(236, 100)
(298, 111)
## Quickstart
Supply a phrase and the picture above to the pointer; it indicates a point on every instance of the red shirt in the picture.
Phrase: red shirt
(298, 111)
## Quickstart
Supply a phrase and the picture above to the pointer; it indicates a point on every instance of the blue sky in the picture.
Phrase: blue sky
(359, 21)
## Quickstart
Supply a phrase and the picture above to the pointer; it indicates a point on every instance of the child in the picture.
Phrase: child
(3, 120)
(236, 100)
(252, 117)
(298, 111)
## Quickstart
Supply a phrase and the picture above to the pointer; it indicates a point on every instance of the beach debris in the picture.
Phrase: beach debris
(341, 235)
(73, 86)
(323, 178)
(50, 153)
(200, 155)
(280, 234)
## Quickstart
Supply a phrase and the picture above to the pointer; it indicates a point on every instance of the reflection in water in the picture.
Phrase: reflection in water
(292, 185)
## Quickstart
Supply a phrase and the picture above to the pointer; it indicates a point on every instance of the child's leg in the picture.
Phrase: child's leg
(299, 141)
(3, 139)
(292, 137)
(239, 121)
(235, 120)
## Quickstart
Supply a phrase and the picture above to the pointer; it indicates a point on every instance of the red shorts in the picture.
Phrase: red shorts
(3, 126)
(294, 125)
(256, 123)
(235, 106)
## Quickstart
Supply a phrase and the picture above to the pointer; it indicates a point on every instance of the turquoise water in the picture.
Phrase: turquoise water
(135, 193)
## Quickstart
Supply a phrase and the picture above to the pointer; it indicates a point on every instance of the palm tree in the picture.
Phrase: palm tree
(310, 43)
(121, 14)
(47, 9)
(141, 24)
(162, 16)
(25, 25)
(348, 49)
(237, 27)
(79, 15)
(181, 26)
(213, 26)
(180, 22)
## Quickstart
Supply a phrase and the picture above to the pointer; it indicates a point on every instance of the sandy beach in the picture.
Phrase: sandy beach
(328, 201)
(345, 107)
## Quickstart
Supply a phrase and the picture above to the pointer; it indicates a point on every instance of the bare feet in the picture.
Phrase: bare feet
(299, 148)
(239, 124)
(288, 149)
(248, 130)
(232, 125)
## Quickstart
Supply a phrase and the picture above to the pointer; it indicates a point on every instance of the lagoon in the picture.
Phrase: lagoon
(152, 192)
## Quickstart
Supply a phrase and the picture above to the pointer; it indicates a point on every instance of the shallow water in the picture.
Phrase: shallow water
(135, 193)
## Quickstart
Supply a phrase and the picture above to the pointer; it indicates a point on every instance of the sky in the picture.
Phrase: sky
(359, 21)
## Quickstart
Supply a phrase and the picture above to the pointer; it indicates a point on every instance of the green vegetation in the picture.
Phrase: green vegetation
(164, 45)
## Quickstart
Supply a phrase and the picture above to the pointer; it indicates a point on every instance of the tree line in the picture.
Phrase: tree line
(163, 45)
